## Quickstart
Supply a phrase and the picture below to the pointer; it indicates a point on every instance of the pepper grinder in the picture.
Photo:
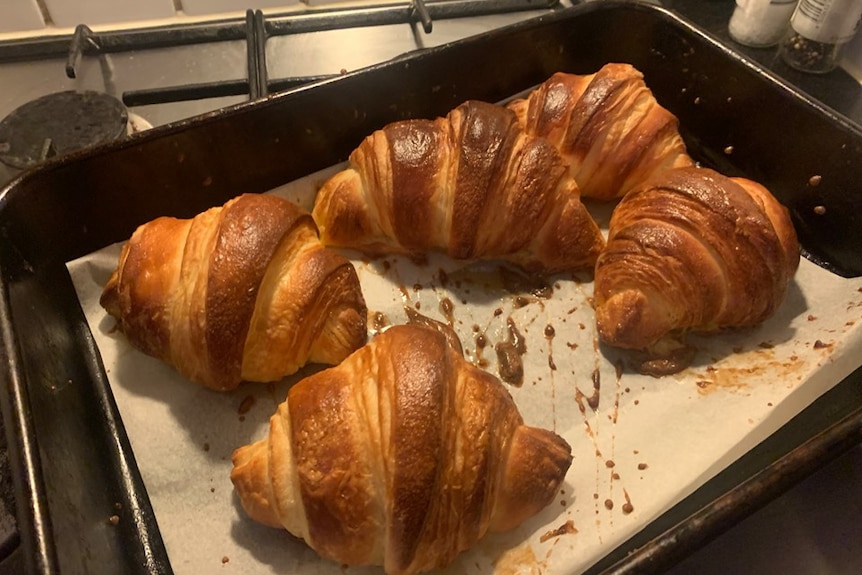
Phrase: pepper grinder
(819, 29)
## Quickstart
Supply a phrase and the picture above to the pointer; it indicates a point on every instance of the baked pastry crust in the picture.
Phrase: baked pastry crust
(692, 250)
(471, 185)
(609, 128)
(403, 455)
(240, 292)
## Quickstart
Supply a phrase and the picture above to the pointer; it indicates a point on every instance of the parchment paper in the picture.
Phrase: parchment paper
(640, 444)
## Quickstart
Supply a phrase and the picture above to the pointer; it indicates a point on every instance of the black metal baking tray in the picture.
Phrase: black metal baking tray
(71, 460)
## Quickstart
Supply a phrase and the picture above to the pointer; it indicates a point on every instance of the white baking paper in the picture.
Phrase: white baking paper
(640, 444)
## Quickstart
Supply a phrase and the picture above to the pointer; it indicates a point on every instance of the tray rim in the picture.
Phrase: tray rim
(26, 442)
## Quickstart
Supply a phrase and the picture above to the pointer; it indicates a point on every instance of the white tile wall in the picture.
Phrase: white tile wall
(20, 16)
(313, 3)
(196, 7)
(70, 13)
(25, 18)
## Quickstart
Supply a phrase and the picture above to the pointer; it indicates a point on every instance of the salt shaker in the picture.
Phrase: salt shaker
(760, 23)
(818, 31)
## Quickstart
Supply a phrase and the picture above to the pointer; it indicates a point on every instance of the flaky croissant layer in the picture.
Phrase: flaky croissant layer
(608, 127)
(403, 455)
(472, 185)
(243, 291)
(692, 250)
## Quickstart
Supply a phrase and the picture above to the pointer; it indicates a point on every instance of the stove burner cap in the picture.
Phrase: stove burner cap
(60, 123)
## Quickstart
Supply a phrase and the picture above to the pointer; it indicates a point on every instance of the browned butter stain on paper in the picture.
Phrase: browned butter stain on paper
(737, 379)
(377, 322)
(510, 365)
(567, 528)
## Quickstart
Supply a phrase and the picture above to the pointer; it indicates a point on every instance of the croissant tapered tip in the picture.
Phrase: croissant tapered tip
(250, 477)
(632, 320)
(110, 299)
(536, 466)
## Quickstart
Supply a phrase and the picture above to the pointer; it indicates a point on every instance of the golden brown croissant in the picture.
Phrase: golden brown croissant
(692, 250)
(240, 292)
(403, 455)
(608, 126)
(472, 185)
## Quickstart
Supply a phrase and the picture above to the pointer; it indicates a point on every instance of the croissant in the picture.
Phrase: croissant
(241, 292)
(692, 250)
(472, 185)
(608, 127)
(403, 456)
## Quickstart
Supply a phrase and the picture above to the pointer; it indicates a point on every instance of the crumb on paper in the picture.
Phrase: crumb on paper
(814, 180)
(819, 210)
(246, 404)
(114, 519)
(225, 560)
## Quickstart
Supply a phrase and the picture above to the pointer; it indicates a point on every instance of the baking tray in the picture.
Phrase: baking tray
(72, 462)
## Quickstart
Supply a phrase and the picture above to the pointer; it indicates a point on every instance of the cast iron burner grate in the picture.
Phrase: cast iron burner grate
(255, 29)
(58, 124)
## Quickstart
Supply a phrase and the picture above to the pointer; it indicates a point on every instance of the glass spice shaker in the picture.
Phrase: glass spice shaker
(818, 31)
(760, 23)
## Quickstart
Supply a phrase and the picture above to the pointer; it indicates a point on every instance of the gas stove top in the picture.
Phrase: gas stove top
(169, 72)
